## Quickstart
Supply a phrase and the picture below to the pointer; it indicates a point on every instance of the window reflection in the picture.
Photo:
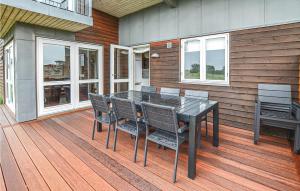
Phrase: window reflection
(88, 64)
(56, 60)
(85, 89)
(56, 95)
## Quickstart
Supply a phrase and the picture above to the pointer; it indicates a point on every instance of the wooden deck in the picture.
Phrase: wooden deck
(58, 154)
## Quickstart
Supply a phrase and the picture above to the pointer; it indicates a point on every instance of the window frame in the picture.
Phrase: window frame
(202, 80)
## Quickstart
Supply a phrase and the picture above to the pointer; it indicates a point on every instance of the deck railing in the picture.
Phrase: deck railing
(82, 7)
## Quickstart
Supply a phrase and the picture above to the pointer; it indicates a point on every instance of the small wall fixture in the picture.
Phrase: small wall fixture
(154, 55)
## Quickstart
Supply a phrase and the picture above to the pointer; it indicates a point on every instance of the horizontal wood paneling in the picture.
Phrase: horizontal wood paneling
(105, 32)
(263, 55)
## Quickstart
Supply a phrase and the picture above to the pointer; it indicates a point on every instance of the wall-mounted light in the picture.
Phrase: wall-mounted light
(154, 55)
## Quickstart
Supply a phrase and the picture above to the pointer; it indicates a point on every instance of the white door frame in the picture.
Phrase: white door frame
(134, 65)
(112, 65)
(10, 45)
(74, 76)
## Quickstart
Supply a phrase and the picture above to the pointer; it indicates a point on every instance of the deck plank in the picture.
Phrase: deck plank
(2, 183)
(31, 175)
(11, 173)
(49, 173)
(58, 152)
(87, 173)
(75, 181)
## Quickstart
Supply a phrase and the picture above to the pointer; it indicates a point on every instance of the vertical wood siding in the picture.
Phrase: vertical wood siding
(105, 32)
(262, 55)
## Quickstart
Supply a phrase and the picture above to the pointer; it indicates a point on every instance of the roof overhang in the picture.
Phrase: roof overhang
(120, 8)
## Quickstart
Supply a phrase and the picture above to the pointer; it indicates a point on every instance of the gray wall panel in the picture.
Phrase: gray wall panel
(124, 31)
(151, 24)
(201, 17)
(168, 27)
(246, 13)
(189, 22)
(214, 16)
(282, 11)
(137, 27)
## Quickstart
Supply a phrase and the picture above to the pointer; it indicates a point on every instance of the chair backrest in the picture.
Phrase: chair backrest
(170, 91)
(99, 103)
(275, 97)
(124, 108)
(148, 89)
(196, 94)
(160, 117)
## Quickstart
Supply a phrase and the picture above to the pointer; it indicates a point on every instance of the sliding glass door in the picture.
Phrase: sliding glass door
(66, 73)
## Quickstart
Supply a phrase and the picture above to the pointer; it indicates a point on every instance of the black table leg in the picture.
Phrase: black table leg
(192, 147)
(99, 125)
(216, 125)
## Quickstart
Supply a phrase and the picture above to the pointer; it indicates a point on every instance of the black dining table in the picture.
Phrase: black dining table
(190, 109)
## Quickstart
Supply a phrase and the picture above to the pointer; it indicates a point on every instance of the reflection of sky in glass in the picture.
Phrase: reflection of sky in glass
(53, 53)
(216, 58)
(191, 58)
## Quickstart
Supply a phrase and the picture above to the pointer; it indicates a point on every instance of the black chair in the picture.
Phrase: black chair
(164, 121)
(127, 120)
(170, 91)
(148, 89)
(198, 95)
(274, 107)
(100, 105)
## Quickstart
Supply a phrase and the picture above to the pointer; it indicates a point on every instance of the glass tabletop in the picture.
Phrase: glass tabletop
(183, 105)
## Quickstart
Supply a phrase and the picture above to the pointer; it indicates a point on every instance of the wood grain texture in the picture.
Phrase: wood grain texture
(104, 32)
(262, 55)
(61, 149)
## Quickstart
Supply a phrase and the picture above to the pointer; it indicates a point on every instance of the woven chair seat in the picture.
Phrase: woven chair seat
(167, 139)
(104, 118)
(277, 115)
(130, 127)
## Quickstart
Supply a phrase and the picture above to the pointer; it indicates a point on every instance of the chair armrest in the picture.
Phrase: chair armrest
(296, 110)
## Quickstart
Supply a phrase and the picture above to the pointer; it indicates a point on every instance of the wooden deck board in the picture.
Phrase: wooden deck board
(57, 153)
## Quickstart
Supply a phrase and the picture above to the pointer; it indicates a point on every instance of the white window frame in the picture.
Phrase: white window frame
(74, 76)
(202, 80)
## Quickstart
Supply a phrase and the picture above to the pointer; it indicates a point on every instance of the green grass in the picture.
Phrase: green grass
(1, 100)
(209, 76)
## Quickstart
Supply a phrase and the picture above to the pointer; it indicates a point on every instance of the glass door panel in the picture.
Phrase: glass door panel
(89, 72)
(56, 74)
(121, 68)
(10, 77)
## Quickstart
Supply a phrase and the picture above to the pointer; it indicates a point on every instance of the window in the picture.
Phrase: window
(204, 60)
(66, 73)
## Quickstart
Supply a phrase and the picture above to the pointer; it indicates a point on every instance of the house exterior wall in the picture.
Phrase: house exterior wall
(262, 55)
(104, 31)
(24, 37)
(201, 17)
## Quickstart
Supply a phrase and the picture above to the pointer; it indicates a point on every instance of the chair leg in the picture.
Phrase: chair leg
(297, 140)
(206, 133)
(107, 137)
(135, 147)
(175, 165)
(115, 139)
(256, 130)
(145, 152)
(94, 127)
